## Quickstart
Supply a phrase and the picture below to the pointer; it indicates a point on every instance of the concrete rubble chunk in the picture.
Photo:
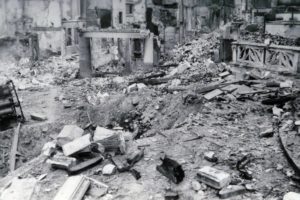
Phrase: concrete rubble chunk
(75, 187)
(213, 94)
(76, 145)
(210, 156)
(38, 117)
(277, 111)
(19, 189)
(109, 169)
(286, 84)
(213, 177)
(49, 148)
(232, 190)
(224, 74)
(291, 196)
(297, 123)
(68, 134)
(267, 133)
(62, 162)
(196, 185)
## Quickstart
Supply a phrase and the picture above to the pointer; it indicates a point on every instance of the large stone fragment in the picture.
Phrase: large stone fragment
(38, 117)
(68, 134)
(213, 177)
(76, 145)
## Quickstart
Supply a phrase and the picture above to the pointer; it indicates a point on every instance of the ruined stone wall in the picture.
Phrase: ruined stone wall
(99, 13)
(10, 15)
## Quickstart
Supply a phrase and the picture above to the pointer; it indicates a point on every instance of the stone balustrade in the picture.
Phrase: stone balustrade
(270, 57)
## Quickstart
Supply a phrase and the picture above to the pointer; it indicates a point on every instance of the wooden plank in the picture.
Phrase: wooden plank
(74, 188)
(14, 148)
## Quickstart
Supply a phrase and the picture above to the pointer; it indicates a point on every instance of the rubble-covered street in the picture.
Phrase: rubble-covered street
(182, 122)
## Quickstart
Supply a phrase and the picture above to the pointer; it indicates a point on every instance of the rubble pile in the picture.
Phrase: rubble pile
(52, 71)
(190, 129)
(258, 37)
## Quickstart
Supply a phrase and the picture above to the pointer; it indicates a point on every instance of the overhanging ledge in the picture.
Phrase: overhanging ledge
(115, 33)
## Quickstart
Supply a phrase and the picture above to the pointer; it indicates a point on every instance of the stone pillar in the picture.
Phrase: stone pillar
(63, 42)
(85, 70)
(127, 55)
(234, 53)
(148, 55)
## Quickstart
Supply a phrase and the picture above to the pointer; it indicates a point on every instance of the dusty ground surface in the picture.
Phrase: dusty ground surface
(167, 123)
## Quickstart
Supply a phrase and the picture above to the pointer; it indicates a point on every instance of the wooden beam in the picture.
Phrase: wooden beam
(14, 148)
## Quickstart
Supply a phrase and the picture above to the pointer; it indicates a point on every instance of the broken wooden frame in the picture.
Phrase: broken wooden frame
(270, 57)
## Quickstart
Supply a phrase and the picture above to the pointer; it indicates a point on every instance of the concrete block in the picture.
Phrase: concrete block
(232, 190)
(109, 169)
(213, 177)
(38, 117)
(68, 134)
(213, 94)
(76, 145)
(291, 196)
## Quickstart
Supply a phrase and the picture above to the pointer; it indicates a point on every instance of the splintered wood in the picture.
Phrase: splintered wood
(14, 149)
